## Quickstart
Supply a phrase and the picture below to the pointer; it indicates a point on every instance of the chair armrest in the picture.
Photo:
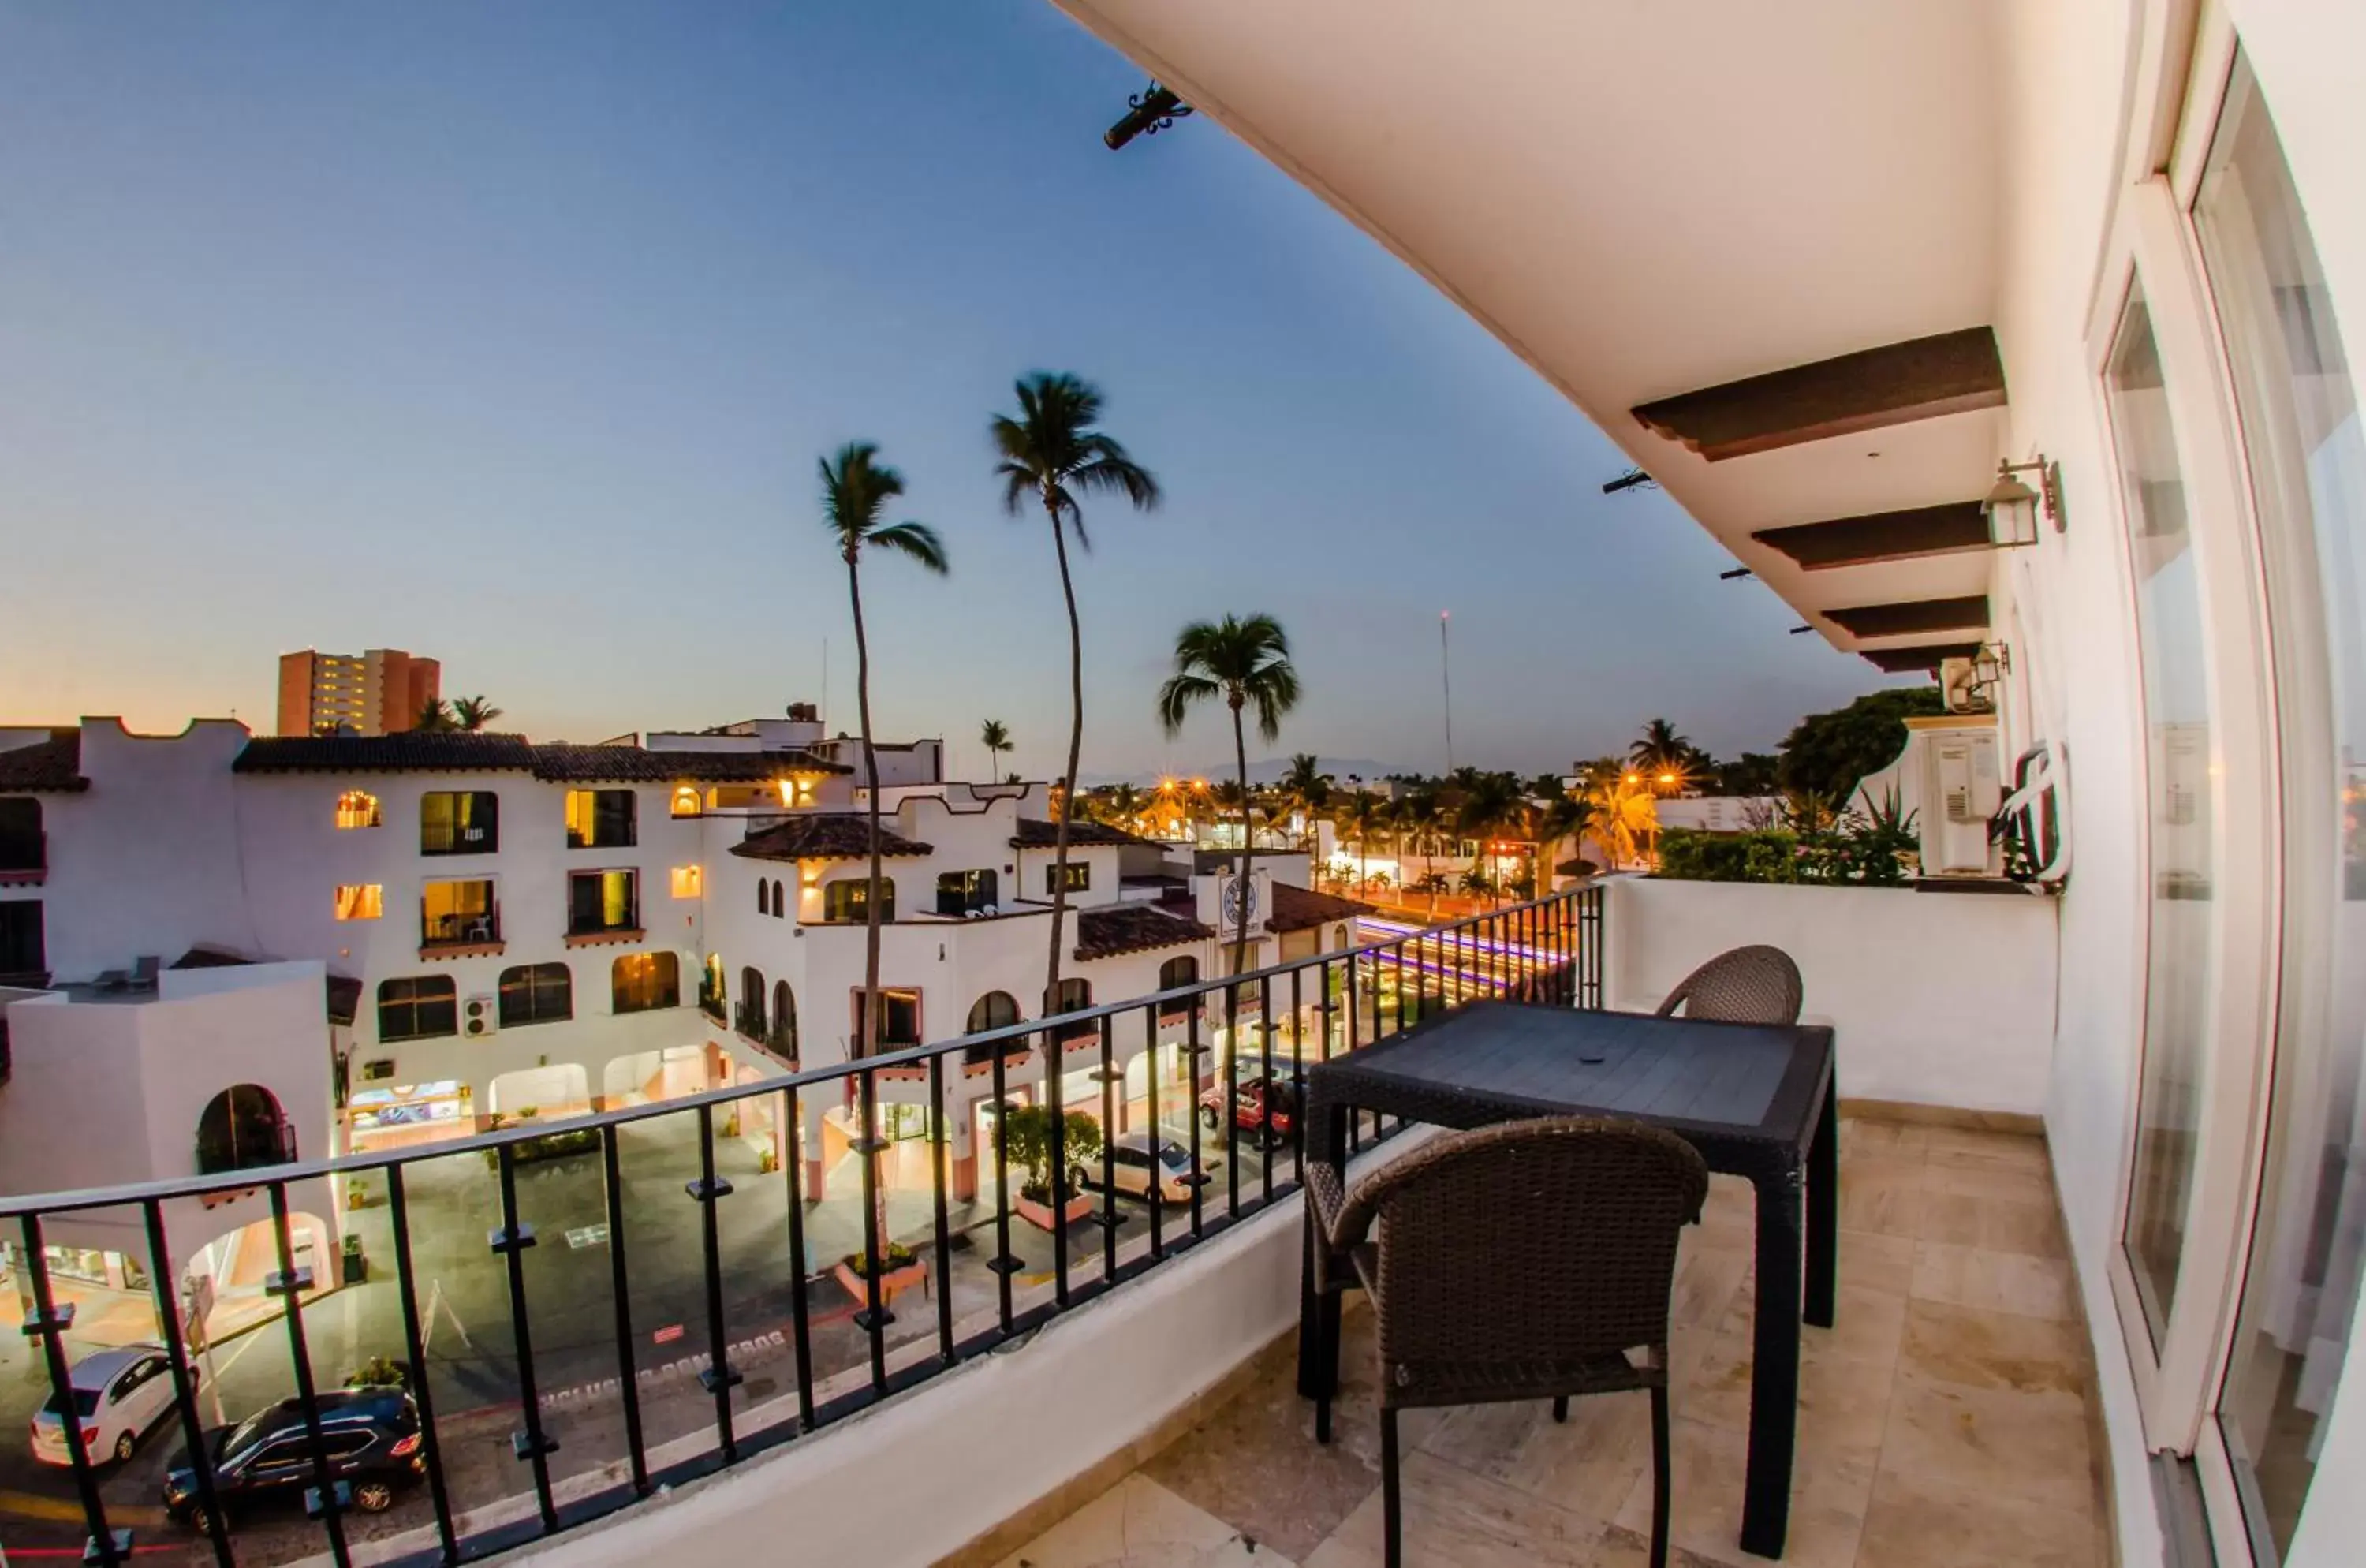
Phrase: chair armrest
(1326, 1198)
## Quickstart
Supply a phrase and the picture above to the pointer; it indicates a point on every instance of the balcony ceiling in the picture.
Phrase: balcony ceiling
(1645, 200)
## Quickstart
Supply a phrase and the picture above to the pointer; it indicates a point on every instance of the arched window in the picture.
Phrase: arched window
(783, 1037)
(643, 982)
(417, 1008)
(536, 993)
(241, 1128)
(750, 1021)
(356, 808)
(1073, 995)
(780, 901)
(763, 896)
(1173, 973)
(710, 987)
(995, 1010)
(685, 800)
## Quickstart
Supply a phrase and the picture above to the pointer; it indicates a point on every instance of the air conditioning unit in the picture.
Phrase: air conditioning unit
(378, 1071)
(480, 1015)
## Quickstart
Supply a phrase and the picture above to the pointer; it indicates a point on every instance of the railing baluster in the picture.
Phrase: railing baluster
(800, 1313)
(875, 1315)
(161, 1274)
(628, 1389)
(1111, 1081)
(1193, 1050)
(414, 1345)
(326, 1500)
(1055, 1074)
(1264, 1129)
(1157, 1132)
(1004, 1263)
(49, 1325)
(510, 1243)
(1231, 1114)
(720, 1376)
(1357, 963)
(1401, 984)
(941, 1121)
(1298, 1075)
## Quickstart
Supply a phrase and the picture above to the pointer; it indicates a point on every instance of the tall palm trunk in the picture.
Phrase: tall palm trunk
(1069, 782)
(875, 1220)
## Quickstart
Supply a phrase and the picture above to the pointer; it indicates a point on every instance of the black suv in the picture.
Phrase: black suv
(372, 1437)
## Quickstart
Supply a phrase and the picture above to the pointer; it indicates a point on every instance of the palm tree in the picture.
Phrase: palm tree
(1052, 454)
(434, 715)
(1305, 787)
(995, 735)
(1119, 806)
(856, 489)
(1623, 817)
(1542, 824)
(1243, 661)
(473, 714)
(1360, 821)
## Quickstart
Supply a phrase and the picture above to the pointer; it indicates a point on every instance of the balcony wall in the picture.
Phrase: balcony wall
(1938, 999)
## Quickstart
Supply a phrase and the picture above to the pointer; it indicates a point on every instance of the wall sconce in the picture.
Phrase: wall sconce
(2011, 507)
(809, 877)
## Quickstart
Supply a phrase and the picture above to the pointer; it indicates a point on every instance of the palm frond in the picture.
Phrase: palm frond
(917, 540)
(1179, 695)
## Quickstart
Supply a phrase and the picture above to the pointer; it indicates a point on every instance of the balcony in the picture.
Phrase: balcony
(24, 858)
(459, 920)
(1947, 1409)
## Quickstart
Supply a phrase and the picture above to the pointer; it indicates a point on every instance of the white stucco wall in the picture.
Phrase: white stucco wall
(1936, 998)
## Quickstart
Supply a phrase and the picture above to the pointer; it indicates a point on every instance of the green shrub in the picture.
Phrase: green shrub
(1027, 1143)
(1870, 849)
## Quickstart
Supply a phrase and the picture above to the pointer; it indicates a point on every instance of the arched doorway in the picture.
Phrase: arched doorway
(784, 1036)
(241, 1128)
(750, 1019)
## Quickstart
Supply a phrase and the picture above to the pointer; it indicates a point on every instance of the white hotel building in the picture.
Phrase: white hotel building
(220, 949)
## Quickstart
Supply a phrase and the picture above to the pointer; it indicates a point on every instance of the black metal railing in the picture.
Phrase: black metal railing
(26, 849)
(541, 1354)
(473, 929)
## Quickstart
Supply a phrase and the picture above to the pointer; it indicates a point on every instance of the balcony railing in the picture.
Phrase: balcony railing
(24, 852)
(477, 929)
(1549, 953)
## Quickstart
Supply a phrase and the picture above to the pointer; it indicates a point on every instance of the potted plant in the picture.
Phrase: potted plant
(1027, 1144)
(904, 1271)
(378, 1371)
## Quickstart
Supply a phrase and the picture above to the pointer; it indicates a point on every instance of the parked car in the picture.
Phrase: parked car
(1138, 1164)
(118, 1394)
(373, 1438)
(1264, 1099)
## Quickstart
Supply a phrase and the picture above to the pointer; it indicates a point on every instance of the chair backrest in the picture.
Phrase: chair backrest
(1549, 1241)
(1748, 985)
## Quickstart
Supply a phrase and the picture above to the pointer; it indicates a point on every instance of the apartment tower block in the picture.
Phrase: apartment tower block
(378, 693)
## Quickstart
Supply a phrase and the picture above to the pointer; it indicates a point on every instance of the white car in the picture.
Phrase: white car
(118, 1394)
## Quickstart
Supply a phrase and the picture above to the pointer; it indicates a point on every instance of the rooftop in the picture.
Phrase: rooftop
(1113, 928)
(1036, 834)
(1301, 908)
(555, 761)
(824, 836)
(54, 765)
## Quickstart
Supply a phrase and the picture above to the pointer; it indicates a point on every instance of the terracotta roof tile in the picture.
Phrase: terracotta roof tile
(824, 836)
(631, 764)
(54, 765)
(1113, 928)
(1299, 909)
(428, 750)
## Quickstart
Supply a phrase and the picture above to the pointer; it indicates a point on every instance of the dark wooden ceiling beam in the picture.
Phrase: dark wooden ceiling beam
(1912, 618)
(1896, 384)
(1905, 661)
(1918, 531)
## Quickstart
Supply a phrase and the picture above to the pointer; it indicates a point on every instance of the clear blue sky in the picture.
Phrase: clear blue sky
(509, 335)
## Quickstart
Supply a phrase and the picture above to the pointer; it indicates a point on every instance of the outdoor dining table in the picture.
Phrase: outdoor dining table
(1757, 1100)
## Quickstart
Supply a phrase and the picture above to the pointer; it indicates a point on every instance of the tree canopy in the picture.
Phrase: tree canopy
(1828, 754)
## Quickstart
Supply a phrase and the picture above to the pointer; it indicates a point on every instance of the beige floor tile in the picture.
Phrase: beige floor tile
(1880, 1195)
(1140, 1524)
(1843, 1403)
(1921, 1521)
(1999, 1350)
(1828, 1501)
(1998, 1281)
(1998, 1225)
(1877, 1262)
(1982, 1179)
(1890, 1140)
(2025, 1447)
(1586, 1465)
(1452, 1517)
(1705, 1283)
(2015, 1151)
(1867, 1325)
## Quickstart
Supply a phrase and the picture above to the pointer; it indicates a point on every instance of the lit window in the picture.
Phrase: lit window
(688, 882)
(847, 900)
(356, 808)
(599, 818)
(685, 800)
(360, 901)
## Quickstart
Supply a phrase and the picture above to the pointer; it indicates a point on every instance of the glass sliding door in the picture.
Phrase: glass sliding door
(2296, 398)
(2181, 910)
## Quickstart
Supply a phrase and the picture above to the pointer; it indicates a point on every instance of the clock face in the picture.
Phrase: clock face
(1240, 901)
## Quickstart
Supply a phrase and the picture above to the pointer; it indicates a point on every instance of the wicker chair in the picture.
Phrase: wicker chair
(1520, 1261)
(1748, 985)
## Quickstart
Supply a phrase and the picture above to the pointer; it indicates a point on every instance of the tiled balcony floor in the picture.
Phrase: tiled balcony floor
(1943, 1422)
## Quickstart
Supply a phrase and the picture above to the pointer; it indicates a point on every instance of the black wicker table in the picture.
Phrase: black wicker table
(1758, 1101)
